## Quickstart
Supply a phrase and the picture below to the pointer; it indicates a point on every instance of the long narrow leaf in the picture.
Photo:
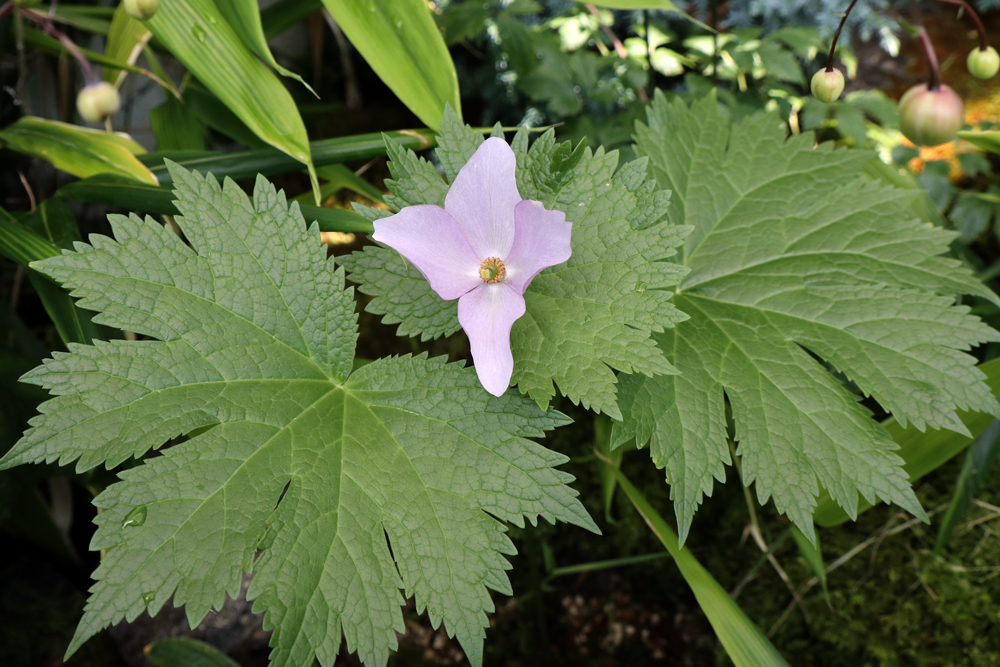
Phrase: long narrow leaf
(244, 18)
(813, 556)
(158, 200)
(921, 452)
(125, 41)
(743, 640)
(665, 5)
(283, 14)
(401, 42)
(267, 161)
(979, 461)
(21, 245)
(54, 222)
(186, 652)
(988, 141)
(175, 127)
(196, 33)
(76, 150)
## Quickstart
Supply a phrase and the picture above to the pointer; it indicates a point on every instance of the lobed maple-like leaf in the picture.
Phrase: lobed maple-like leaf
(353, 485)
(584, 319)
(794, 258)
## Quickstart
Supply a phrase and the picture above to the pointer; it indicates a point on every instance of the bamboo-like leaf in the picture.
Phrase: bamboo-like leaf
(175, 127)
(602, 443)
(813, 556)
(665, 5)
(76, 150)
(979, 461)
(186, 652)
(401, 42)
(196, 33)
(987, 141)
(118, 192)
(338, 177)
(921, 452)
(244, 18)
(268, 161)
(41, 235)
(89, 18)
(207, 108)
(743, 640)
(126, 38)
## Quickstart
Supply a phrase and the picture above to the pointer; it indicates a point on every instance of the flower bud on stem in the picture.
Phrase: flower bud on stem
(828, 84)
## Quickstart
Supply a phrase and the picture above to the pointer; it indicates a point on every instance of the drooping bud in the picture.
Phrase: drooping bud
(98, 101)
(141, 10)
(826, 86)
(984, 63)
(931, 117)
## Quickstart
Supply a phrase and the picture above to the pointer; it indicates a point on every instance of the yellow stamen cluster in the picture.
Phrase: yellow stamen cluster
(492, 271)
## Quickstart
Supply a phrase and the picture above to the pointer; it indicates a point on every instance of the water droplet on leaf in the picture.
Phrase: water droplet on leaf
(640, 287)
(399, 25)
(136, 517)
(147, 598)
(198, 33)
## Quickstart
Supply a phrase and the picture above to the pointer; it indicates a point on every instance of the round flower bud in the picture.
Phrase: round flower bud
(141, 10)
(98, 101)
(827, 86)
(930, 117)
(984, 63)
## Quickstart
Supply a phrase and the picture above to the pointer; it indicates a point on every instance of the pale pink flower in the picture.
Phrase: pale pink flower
(483, 248)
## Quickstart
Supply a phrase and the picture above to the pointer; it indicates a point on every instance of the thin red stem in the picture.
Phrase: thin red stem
(983, 44)
(935, 81)
(74, 50)
(6, 8)
(836, 36)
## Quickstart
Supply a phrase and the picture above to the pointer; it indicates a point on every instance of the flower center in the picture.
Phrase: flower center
(492, 271)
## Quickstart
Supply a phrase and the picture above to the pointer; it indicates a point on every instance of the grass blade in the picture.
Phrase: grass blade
(979, 461)
(401, 42)
(743, 640)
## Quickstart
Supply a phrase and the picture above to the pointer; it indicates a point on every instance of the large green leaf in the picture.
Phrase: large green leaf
(196, 33)
(336, 487)
(921, 451)
(77, 150)
(794, 259)
(402, 44)
(244, 18)
(744, 642)
(125, 41)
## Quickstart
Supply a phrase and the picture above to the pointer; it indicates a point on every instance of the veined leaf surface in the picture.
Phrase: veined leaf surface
(792, 255)
(304, 459)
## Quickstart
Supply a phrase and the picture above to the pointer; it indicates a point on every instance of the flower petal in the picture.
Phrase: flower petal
(486, 314)
(541, 240)
(483, 197)
(433, 242)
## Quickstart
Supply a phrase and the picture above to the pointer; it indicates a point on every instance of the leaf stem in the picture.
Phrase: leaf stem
(983, 43)
(935, 81)
(7, 8)
(69, 44)
(836, 35)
